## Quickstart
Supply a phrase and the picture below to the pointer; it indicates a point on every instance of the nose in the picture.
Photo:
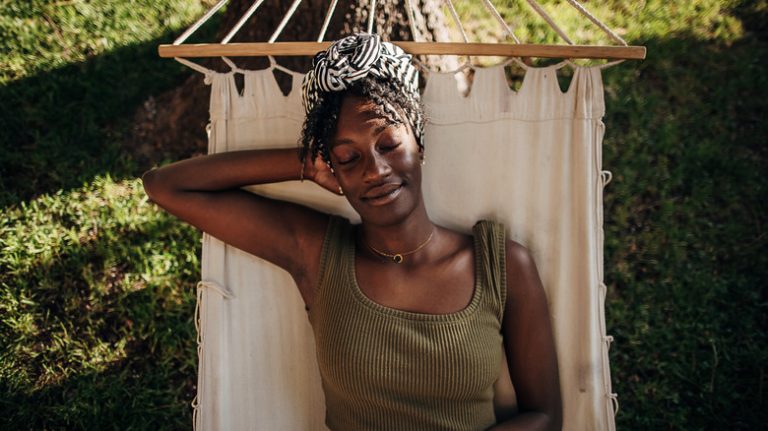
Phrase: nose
(376, 167)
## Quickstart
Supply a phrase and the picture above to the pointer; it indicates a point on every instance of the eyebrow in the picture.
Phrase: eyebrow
(376, 132)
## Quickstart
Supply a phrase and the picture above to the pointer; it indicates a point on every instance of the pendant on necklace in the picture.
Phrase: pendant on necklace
(398, 258)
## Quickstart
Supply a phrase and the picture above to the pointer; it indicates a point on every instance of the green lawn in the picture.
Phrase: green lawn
(97, 285)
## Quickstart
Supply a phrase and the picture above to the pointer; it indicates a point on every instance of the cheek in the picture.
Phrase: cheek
(409, 163)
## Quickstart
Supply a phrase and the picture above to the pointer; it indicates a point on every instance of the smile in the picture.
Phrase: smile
(383, 195)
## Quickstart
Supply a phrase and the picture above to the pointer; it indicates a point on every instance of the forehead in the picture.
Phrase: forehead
(358, 113)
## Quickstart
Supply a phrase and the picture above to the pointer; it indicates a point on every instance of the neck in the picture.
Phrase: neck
(401, 237)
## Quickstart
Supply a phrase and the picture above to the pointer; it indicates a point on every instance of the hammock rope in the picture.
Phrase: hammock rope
(203, 19)
(285, 20)
(247, 15)
(597, 22)
(177, 49)
(540, 10)
(506, 27)
(457, 20)
(371, 16)
(412, 21)
(327, 20)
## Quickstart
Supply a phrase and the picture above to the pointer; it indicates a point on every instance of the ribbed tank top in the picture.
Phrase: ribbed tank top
(389, 369)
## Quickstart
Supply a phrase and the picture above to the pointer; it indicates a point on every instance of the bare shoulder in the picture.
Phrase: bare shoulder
(519, 258)
(522, 275)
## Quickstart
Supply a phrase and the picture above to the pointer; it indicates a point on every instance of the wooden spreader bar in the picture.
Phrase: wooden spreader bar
(257, 49)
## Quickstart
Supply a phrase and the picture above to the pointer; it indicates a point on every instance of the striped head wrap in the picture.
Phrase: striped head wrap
(354, 57)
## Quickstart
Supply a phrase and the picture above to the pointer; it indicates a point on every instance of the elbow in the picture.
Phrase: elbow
(152, 184)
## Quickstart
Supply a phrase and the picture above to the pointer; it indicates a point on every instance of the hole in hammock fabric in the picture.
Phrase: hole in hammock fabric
(515, 76)
(239, 83)
(284, 81)
(564, 77)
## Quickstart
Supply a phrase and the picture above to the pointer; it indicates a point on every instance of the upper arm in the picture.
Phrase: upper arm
(528, 336)
(286, 234)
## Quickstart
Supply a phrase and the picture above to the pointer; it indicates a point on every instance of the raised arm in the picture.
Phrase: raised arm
(530, 347)
(206, 192)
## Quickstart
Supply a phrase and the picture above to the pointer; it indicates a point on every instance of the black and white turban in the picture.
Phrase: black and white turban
(355, 57)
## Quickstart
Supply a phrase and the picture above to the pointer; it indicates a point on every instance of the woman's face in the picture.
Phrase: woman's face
(376, 163)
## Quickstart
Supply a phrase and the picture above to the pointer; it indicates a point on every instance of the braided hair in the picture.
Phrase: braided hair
(391, 103)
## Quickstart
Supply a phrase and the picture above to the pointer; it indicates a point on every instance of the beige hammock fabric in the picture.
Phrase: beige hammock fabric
(531, 159)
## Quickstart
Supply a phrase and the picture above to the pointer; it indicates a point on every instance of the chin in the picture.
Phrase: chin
(389, 213)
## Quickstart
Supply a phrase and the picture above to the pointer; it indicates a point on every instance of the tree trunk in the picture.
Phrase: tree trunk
(172, 125)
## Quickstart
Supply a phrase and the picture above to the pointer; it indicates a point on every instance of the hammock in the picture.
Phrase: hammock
(529, 158)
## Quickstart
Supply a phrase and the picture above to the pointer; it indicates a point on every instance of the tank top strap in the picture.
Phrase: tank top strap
(490, 238)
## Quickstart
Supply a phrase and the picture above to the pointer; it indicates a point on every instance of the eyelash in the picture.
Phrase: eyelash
(384, 148)
(389, 146)
(346, 162)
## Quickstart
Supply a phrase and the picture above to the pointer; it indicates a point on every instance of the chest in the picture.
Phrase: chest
(444, 288)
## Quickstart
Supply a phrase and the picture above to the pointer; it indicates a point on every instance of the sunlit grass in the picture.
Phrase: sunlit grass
(95, 281)
(632, 20)
(97, 284)
(40, 35)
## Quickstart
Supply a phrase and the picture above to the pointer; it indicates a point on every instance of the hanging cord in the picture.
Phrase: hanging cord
(597, 22)
(606, 176)
(193, 28)
(504, 25)
(285, 20)
(232, 65)
(411, 20)
(574, 65)
(197, 413)
(603, 27)
(274, 65)
(466, 66)
(188, 32)
(327, 20)
(237, 28)
(194, 66)
(372, 16)
(425, 68)
(457, 20)
(241, 22)
(537, 7)
(223, 291)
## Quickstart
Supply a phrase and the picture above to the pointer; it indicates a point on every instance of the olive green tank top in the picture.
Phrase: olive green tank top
(389, 369)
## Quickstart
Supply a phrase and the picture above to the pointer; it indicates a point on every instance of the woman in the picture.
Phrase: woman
(409, 317)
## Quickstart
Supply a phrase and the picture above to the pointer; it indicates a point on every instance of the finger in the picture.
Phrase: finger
(325, 177)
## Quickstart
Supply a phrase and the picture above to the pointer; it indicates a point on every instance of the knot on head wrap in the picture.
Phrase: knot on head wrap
(354, 57)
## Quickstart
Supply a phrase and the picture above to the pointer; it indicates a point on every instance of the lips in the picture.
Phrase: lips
(382, 194)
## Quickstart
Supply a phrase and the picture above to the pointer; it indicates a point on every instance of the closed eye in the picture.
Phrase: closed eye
(347, 160)
(388, 147)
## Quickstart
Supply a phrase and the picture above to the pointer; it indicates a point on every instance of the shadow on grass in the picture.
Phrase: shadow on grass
(89, 302)
(685, 239)
(59, 129)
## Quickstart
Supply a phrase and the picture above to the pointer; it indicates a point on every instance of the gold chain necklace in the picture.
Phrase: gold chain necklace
(398, 257)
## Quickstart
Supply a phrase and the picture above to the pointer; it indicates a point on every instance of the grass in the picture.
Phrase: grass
(96, 297)
(96, 285)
